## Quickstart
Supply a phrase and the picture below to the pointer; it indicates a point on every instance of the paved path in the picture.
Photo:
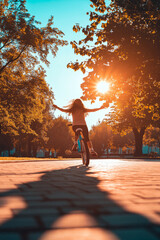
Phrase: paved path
(62, 200)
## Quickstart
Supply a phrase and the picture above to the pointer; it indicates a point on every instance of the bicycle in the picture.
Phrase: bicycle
(82, 147)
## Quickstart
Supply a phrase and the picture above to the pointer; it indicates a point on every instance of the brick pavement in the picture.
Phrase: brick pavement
(55, 200)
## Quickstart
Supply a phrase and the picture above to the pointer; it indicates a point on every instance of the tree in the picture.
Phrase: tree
(6, 143)
(123, 141)
(20, 34)
(125, 52)
(152, 137)
(23, 102)
(60, 136)
(101, 137)
(27, 143)
(104, 137)
(24, 93)
(41, 128)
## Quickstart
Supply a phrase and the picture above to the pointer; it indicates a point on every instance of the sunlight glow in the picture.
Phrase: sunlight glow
(103, 87)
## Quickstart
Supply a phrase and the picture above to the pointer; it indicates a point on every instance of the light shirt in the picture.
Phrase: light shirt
(78, 117)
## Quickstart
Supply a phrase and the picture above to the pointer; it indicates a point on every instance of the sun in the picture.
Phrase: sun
(103, 87)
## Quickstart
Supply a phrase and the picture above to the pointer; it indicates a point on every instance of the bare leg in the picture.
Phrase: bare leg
(91, 150)
(74, 148)
(90, 146)
(76, 138)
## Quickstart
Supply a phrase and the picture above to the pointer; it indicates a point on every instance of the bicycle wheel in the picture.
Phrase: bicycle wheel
(84, 153)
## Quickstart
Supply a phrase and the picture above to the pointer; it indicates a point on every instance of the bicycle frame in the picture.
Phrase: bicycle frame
(79, 143)
(82, 147)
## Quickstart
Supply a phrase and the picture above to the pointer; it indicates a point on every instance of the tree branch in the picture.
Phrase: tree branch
(12, 60)
(5, 44)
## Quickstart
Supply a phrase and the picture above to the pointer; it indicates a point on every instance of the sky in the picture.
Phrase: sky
(64, 81)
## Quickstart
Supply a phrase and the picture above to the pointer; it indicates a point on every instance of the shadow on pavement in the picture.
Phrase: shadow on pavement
(68, 204)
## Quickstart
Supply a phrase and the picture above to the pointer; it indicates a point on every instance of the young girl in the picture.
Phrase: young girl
(78, 111)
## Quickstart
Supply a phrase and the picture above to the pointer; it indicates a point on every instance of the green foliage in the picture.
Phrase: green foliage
(60, 136)
(122, 141)
(101, 137)
(27, 143)
(20, 32)
(23, 99)
(6, 142)
(122, 46)
(152, 137)
(104, 137)
(24, 93)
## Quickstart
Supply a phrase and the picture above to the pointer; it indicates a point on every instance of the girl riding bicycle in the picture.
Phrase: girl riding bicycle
(78, 112)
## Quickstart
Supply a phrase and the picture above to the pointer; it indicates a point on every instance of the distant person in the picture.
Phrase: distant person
(78, 112)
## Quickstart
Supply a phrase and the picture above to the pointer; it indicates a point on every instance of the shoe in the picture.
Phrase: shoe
(93, 153)
(74, 148)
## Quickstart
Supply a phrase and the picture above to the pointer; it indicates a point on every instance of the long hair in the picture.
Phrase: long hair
(74, 105)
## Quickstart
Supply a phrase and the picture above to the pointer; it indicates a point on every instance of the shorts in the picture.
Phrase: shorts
(85, 131)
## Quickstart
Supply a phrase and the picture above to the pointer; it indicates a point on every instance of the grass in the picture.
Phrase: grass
(3, 159)
(28, 158)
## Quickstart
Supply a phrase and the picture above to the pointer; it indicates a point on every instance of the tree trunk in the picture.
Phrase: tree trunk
(19, 149)
(29, 147)
(138, 140)
(35, 147)
(9, 154)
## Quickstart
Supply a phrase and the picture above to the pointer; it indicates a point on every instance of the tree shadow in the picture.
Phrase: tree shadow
(71, 199)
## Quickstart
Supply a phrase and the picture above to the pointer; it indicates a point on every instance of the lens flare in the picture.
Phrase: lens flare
(103, 87)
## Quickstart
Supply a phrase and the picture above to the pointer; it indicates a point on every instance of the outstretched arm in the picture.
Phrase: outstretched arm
(94, 109)
(61, 109)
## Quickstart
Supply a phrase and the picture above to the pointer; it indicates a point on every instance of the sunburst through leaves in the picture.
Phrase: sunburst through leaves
(103, 87)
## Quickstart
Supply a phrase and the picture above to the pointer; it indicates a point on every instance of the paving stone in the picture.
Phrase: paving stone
(49, 203)
(73, 220)
(73, 234)
(10, 236)
(95, 196)
(62, 195)
(48, 221)
(2, 190)
(125, 220)
(157, 229)
(36, 211)
(94, 202)
(111, 209)
(146, 194)
(65, 200)
(13, 201)
(67, 210)
(33, 197)
(135, 234)
(20, 223)
(5, 212)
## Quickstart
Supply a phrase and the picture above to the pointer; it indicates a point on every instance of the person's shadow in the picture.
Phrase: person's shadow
(67, 204)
